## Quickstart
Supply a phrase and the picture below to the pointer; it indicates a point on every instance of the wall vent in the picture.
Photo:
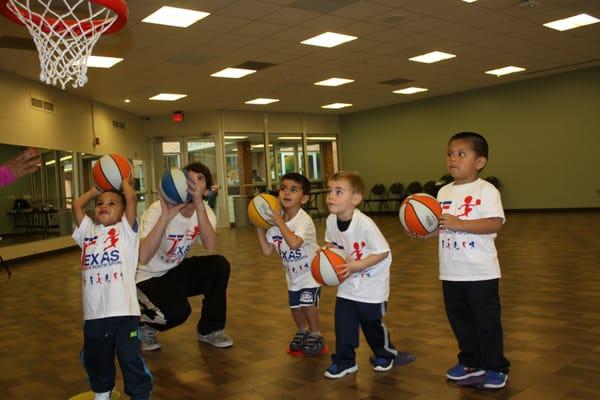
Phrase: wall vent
(118, 124)
(43, 105)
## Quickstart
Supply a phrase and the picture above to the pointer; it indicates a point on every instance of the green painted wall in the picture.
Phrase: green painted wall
(544, 137)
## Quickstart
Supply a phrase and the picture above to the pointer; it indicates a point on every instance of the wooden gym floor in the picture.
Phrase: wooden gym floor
(551, 315)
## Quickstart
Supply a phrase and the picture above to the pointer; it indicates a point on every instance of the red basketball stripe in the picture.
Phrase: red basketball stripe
(122, 164)
(429, 202)
(413, 222)
(99, 178)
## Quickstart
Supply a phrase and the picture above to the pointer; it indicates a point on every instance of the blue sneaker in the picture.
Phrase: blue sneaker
(495, 380)
(460, 372)
(335, 372)
(381, 364)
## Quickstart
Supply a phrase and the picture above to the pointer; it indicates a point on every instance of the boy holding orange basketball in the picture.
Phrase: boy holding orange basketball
(472, 215)
(294, 237)
(111, 312)
(362, 297)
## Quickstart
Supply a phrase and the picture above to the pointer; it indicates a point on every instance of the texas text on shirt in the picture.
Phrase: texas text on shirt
(108, 264)
(361, 239)
(467, 256)
(296, 262)
(181, 233)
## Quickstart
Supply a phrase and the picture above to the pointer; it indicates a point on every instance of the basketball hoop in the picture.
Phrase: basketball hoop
(65, 32)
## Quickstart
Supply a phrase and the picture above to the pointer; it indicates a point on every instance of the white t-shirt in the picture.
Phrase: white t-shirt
(176, 243)
(296, 263)
(361, 239)
(109, 257)
(469, 256)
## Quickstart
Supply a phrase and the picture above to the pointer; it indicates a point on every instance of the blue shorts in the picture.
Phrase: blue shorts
(304, 297)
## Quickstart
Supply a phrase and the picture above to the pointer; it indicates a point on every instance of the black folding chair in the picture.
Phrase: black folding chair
(376, 195)
(395, 195)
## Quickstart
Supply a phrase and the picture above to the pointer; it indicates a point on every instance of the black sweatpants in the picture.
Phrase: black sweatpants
(473, 310)
(349, 315)
(104, 337)
(164, 300)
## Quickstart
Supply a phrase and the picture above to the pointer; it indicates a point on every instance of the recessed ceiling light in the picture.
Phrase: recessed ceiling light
(469, 1)
(261, 101)
(322, 138)
(572, 22)
(334, 82)
(289, 138)
(173, 16)
(127, 101)
(234, 73)
(432, 57)
(236, 137)
(411, 90)
(167, 96)
(328, 39)
(336, 106)
(102, 62)
(257, 146)
(504, 70)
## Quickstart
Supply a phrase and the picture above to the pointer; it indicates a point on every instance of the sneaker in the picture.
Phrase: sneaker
(460, 372)
(149, 340)
(102, 396)
(381, 364)
(315, 344)
(495, 380)
(299, 341)
(335, 372)
(217, 339)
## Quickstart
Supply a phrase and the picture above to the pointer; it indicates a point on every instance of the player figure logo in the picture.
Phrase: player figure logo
(113, 238)
(468, 206)
(358, 250)
(193, 234)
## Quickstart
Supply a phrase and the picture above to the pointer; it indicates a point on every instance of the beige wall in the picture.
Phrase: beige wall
(70, 127)
(544, 137)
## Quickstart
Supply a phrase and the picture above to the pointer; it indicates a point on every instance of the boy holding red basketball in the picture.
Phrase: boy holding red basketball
(362, 297)
(294, 237)
(110, 309)
(472, 215)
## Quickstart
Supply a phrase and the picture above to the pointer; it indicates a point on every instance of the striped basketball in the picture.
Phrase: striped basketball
(258, 210)
(324, 267)
(419, 213)
(110, 170)
(173, 186)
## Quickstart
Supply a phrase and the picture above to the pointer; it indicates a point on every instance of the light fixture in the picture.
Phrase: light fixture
(504, 70)
(469, 1)
(235, 137)
(573, 22)
(289, 138)
(322, 138)
(127, 101)
(234, 73)
(261, 101)
(257, 146)
(336, 106)
(328, 39)
(167, 97)
(173, 16)
(102, 62)
(334, 82)
(411, 90)
(432, 57)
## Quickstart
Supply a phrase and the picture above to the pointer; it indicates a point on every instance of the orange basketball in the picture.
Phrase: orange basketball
(109, 171)
(419, 213)
(325, 267)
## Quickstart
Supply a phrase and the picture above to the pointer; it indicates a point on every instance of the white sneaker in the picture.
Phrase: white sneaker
(217, 339)
(102, 396)
(149, 339)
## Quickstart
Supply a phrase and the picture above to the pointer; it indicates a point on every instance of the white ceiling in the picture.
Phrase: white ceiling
(484, 35)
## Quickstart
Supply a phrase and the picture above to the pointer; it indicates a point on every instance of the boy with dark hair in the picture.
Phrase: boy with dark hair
(294, 237)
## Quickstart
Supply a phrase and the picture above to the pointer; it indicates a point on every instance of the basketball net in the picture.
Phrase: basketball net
(64, 32)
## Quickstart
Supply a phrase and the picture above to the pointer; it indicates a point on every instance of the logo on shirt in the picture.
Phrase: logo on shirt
(446, 204)
(112, 237)
(357, 253)
(447, 244)
(468, 206)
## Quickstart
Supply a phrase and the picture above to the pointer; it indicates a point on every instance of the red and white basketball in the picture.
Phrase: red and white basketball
(110, 170)
(325, 267)
(419, 214)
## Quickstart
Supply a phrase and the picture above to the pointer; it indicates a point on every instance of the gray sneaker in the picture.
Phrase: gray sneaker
(149, 340)
(217, 339)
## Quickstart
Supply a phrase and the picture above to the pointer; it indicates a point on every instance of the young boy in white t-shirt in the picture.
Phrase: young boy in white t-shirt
(472, 215)
(362, 298)
(294, 237)
(110, 308)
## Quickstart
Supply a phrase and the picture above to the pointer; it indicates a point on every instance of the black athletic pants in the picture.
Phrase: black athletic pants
(164, 300)
(473, 310)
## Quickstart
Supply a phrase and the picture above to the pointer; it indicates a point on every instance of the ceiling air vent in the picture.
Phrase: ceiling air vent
(118, 124)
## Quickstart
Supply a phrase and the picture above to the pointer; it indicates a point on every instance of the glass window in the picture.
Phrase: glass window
(171, 155)
(321, 151)
(285, 155)
(203, 150)
(66, 179)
